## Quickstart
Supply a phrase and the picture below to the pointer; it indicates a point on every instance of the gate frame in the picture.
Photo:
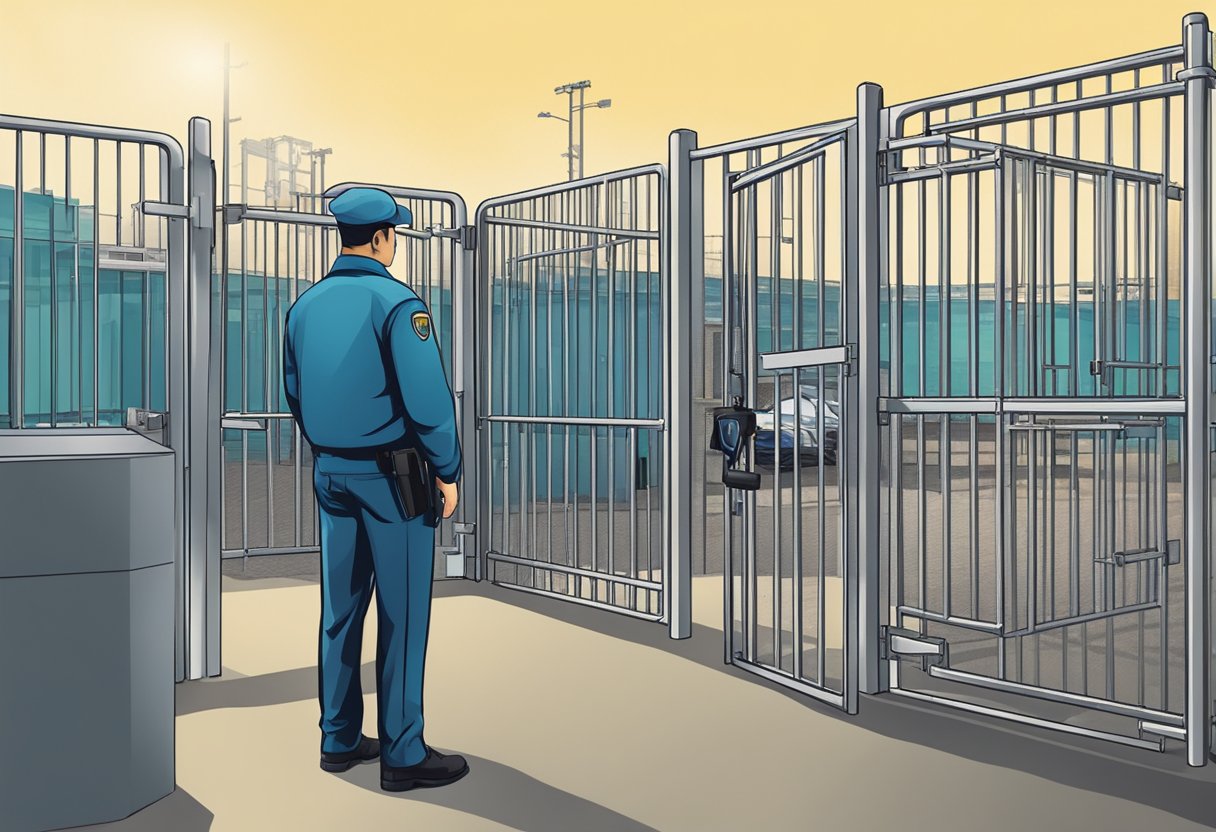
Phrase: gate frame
(1195, 83)
(463, 354)
(864, 588)
(677, 220)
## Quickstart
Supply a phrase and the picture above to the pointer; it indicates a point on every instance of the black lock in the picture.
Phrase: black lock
(732, 427)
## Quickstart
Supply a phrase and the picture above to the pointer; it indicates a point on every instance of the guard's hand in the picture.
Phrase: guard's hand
(451, 496)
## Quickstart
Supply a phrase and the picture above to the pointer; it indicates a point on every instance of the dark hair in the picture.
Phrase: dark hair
(360, 235)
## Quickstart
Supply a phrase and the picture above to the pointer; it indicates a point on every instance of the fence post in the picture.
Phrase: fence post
(870, 590)
(1197, 75)
(202, 493)
(677, 493)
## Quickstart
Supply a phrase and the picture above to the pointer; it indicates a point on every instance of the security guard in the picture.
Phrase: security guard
(363, 377)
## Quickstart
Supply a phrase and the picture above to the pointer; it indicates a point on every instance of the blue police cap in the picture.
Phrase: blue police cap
(368, 206)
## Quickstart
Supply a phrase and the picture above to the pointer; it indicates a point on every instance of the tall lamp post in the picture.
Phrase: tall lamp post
(569, 90)
(228, 67)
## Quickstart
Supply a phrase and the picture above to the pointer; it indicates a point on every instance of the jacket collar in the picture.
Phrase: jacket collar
(359, 263)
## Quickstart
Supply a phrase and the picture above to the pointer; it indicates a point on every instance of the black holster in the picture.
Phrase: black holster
(415, 480)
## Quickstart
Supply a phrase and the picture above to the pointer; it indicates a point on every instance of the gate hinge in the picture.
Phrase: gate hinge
(897, 641)
(850, 365)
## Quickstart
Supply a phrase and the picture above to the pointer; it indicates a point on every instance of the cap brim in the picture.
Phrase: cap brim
(404, 217)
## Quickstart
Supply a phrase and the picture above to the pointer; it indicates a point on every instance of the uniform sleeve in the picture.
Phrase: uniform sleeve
(291, 378)
(429, 409)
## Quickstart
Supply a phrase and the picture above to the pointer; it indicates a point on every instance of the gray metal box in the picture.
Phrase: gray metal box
(86, 626)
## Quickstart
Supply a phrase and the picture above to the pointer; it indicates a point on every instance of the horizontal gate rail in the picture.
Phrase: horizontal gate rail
(1011, 716)
(574, 570)
(1120, 407)
(901, 113)
(799, 157)
(1113, 99)
(583, 421)
(1094, 702)
(770, 140)
(566, 226)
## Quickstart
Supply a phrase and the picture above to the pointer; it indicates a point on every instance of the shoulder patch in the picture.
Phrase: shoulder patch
(422, 324)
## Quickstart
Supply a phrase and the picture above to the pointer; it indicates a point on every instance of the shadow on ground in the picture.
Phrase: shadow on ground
(1161, 781)
(178, 811)
(508, 796)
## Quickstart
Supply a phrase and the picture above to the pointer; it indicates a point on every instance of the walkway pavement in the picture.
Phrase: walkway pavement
(576, 720)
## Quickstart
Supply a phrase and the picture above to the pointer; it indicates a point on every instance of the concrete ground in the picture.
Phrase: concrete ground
(577, 719)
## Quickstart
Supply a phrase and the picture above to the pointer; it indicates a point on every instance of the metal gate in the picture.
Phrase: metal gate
(105, 246)
(574, 431)
(268, 257)
(1046, 523)
(789, 286)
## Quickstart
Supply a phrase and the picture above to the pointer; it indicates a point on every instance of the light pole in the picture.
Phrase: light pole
(569, 90)
(228, 67)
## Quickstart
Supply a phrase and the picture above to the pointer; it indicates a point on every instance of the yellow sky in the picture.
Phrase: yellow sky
(445, 94)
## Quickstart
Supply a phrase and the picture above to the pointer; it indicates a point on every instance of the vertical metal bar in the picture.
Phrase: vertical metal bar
(147, 298)
(1197, 292)
(821, 579)
(96, 271)
(54, 262)
(1001, 473)
(776, 213)
(266, 276)
(684, 186)
(797, 639)
(529, 431)
(866, 592)
(1161, 227)
(750, 369)
(77, 367)
(728, 369)
(944, 456)
(201, 379)
(293, 290)
(1074, 319)
(16, 354)
(922, 530)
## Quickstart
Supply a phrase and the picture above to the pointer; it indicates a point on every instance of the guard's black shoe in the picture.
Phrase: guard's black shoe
(368, 749)
(436, 770)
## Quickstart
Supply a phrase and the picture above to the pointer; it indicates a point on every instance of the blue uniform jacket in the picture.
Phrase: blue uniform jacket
(362, 369)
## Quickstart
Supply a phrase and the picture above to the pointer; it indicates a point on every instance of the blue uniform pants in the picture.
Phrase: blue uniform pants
(367, 543)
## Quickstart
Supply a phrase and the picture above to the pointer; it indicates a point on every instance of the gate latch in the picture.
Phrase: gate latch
(466, 234)
(898, 642)
(454, 556)
(150, 423)
(732, 426)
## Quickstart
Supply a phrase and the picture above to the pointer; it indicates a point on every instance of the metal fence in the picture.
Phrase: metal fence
(975, 327)
(1034, 450)
(573, 324)
(268, 258)
(104, 317)
(1013, 525)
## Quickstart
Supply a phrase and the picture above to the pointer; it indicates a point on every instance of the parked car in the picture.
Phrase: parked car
(807, 432)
